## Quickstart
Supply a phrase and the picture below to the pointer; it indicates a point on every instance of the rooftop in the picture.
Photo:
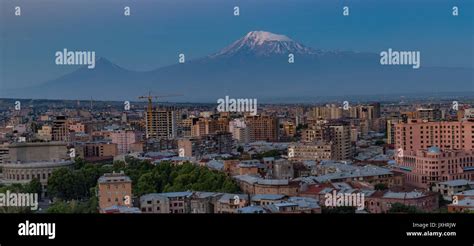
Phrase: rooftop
(247, 178)
(466, 202)
(304, 202)
(216, 165)
(466, 193)
(457, 182)
(260, 197)
(227, 197)
(114, 177)
(152, 196)
(121, 209)
(251, 210)
(272, 181)
(366, 171)
(404, 195)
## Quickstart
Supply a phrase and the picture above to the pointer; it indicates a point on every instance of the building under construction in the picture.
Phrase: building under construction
(161, 123)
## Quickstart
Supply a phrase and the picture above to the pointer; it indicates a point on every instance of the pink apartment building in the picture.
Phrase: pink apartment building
(124, 139)
(77, 127)
(418, 134)
(425, 167)
(431, 152)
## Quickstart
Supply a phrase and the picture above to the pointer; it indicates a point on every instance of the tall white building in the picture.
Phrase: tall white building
(239, 130)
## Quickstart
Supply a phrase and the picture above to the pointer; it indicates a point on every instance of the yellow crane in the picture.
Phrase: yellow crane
(149, 113)
(150, 97)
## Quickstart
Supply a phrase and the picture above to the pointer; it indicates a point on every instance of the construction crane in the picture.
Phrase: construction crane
(150, 97)
(149, 117)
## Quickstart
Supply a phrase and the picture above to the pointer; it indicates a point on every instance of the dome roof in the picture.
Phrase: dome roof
(434, 149)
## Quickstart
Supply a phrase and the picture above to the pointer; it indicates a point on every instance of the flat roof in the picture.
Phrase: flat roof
(457, 182)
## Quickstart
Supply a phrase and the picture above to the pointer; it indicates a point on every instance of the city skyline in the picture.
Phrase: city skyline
(119, 115)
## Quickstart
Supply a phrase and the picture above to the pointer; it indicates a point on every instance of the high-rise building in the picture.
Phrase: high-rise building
(45, 133)
(124, 139)
(289, 129)
(430, 114)
(339, 133)
(316, 151)
(204, 126)
(161, 124)
(328, 112)
(60, 129)
(77, 127)
(239, 131)
(217, 143)
(377, 110)
(313, 133)
(418, 134)
(185, 127)
(391, 129)
(262, 128)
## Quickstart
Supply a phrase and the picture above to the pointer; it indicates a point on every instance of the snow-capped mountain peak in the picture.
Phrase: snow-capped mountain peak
(262, 43)
(259, 37)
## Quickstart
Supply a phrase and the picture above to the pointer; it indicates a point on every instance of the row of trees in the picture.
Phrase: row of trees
(34, 186)
(74, 190)
(78, 184)
(166, 177)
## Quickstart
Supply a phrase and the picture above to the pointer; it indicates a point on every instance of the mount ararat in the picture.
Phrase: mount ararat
(255, 66)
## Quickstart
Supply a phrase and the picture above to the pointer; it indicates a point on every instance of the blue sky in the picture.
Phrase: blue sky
(159, 30)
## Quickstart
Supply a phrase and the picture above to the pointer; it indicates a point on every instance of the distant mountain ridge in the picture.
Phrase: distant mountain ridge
(254, 66)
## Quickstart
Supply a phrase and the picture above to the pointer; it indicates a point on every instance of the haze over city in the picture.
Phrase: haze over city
(358, 113)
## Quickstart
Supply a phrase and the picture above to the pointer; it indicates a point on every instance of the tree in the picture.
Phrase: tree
(338, 210)
(379, 142)
(402, 208)
(62, 184)
(301, 127)
(34, 186)
(270, 153)
(145, 184)
(60, 207)
(79, 163)
(74, 206)
(380, 186)
(74, 190)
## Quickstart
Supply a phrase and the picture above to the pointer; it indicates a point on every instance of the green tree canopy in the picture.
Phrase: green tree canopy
(402, 208)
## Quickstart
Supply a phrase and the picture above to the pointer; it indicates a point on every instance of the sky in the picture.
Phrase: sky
(158, 30)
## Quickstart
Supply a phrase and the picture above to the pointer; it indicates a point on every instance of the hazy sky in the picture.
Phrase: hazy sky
(158, 30)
